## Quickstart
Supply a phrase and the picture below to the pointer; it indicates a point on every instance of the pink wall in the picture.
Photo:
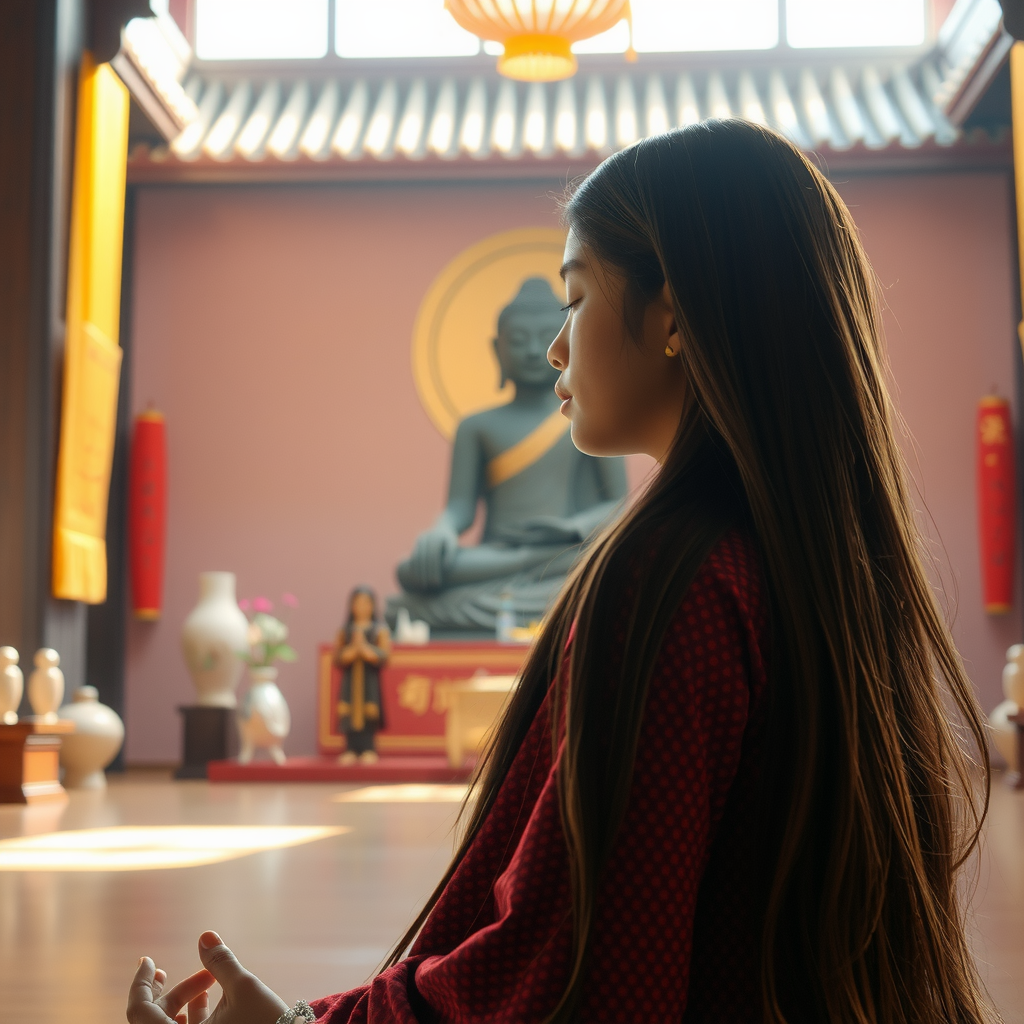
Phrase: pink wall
(272, 326)
(941, 246)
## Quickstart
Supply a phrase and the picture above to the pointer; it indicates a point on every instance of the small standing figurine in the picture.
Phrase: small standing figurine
(361, 650)
(46, 685)
(12, 685)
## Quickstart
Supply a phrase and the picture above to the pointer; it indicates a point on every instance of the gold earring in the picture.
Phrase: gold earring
(669, 352)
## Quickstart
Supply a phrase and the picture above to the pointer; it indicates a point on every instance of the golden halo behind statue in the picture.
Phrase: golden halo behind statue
(453, 362)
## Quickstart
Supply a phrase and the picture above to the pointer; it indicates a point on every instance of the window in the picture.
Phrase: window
(661, 26)
(261, 29)
(400, 28)
(841, 23)
(298, 29)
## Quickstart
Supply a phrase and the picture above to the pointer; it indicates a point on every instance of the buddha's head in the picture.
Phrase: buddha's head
(526, 327)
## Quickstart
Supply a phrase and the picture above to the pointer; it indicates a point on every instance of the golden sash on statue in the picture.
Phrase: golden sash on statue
(529, 450)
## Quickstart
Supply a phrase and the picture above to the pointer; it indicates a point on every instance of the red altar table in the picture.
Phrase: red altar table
(415, 684)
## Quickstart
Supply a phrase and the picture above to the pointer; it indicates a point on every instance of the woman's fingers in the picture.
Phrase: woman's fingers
(246, 999)
(174, 1000)
(199, 1008)
(143, 991)
(220, 961)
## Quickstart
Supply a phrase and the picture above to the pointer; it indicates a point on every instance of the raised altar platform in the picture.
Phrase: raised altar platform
(416, 686)
(390, 768)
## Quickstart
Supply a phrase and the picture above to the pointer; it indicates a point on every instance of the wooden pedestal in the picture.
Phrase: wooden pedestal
(1015, 780)
(210, 734)
(30, 761)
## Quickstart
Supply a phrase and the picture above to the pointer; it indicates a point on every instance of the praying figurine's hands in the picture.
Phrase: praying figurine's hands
(434, 551)
(246, 1000)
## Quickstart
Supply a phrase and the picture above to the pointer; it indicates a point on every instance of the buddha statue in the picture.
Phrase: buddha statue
(542, 497)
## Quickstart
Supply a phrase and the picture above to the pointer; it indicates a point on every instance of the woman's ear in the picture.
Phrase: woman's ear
(660, 323)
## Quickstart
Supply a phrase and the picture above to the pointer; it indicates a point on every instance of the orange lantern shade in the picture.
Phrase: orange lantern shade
(538, 34)
(996, 504)
(147, 514)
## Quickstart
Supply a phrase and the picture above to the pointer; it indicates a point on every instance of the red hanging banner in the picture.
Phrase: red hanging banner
(147, 514)
(996, 504)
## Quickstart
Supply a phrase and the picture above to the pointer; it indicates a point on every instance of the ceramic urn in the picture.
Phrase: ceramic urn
(213, 638)
(263, 719)
(12, 686)
(1002, 730)
(46, 685)
(97, 738)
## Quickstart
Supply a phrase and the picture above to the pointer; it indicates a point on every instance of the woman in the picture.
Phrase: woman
(726, 788)
(361, 649)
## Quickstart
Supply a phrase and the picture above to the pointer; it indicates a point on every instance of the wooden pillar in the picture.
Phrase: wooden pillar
(105, 660)
(40, 46)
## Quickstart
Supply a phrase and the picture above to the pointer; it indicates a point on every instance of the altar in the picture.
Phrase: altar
(419, 684)
(416, 686)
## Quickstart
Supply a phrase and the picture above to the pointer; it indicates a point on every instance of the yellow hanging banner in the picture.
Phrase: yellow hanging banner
(92, 357)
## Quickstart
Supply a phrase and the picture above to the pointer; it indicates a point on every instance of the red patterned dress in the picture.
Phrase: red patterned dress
(674, 937)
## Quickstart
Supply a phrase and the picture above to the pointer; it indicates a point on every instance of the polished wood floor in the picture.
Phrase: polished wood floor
(311, 918)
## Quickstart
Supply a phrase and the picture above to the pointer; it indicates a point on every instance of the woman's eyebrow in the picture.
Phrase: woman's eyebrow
(568, 265)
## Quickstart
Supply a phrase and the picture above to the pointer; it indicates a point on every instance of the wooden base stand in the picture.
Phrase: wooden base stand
(210, 734)
(30, 761)
(1015, 780)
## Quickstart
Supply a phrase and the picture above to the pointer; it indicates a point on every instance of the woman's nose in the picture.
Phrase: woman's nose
(558, 351)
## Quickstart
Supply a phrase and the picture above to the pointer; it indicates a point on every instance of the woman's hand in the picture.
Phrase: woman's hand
(146, 1004)
(246, 1000)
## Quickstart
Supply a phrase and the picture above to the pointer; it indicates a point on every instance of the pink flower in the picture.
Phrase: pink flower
(290, 600)
(262, 604)
(244, 604)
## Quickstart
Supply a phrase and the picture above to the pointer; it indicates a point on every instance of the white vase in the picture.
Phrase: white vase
(46, 685)
(1003, 731)
(1013, 675)
(213, 638)
(263, 719)
(12, 686)
(97, 738)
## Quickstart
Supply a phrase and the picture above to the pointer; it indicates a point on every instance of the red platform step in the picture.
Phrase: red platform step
(390, 768)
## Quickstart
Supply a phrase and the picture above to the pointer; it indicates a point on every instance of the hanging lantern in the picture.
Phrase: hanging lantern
(147, 514)
(538, 34)
(996, 504)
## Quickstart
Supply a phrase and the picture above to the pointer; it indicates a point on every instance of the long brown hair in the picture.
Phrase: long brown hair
(788, 432)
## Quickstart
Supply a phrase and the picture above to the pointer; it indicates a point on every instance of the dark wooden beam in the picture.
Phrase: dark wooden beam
(40, 49)
(106, 19)
(105, 659)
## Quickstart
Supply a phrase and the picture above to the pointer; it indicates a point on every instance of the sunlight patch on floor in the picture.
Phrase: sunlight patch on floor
(406, 793)
(142, 848)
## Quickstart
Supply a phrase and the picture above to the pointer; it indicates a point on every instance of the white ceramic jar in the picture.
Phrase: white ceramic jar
(263, 719)
(213, 638)
(12, 686)
(98, 735)
(46, 685)
(1002, 730)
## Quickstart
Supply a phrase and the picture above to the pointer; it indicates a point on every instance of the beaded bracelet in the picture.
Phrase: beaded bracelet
(300, 1011)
